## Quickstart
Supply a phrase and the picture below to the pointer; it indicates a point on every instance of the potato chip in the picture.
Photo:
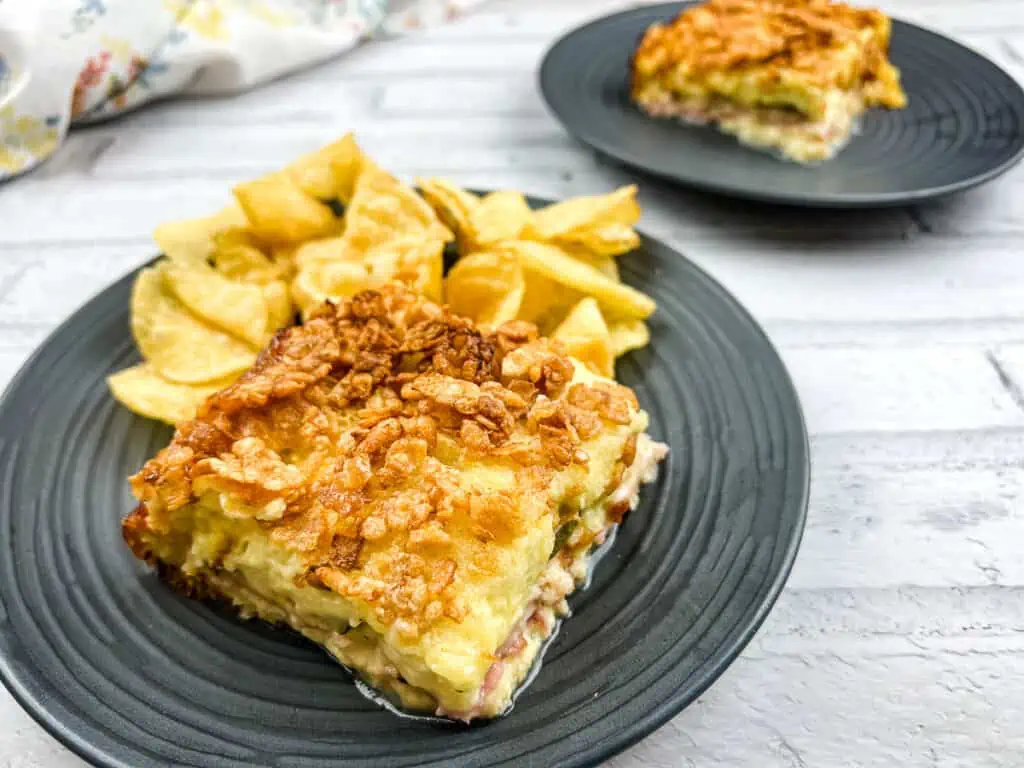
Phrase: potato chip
(280, 212)
(181, 347)
(499, 216)
(453, 205)
(383, 208)
(280, 310)
(606, 240)
(325, 251)
(606, 265)
(412, 260)
(330, 172)
(236, 256)
(589, 212)
(147, 393)
(283, 257)
(554, 264)
(421, 266)
(584, 334)
(487, 287)
(628, 335)
(232, 306)
(308, 289)
(191, 241)
(545, 302)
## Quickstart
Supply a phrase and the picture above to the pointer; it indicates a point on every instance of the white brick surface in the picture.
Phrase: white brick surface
(899, 638)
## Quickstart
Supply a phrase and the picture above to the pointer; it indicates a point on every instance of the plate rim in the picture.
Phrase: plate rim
(637, 729)
(829, 201)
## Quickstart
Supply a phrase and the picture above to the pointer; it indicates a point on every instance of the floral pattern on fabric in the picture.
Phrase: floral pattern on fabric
(25, 139)
(89, 60)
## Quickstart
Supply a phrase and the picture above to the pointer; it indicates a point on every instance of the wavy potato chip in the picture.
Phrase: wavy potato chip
(232, 306)
(246, 263)
(180, 346)
(335, 281)
(585, 336)
(606, 240)
(556, 265)
(499, 216)
(411, 260)
(145, 392)
(453, 205)
(280, 212)
(383, 209)
(422, 267)
(487, 287)
(606, 265)
(545, 302)
(191, 241)
(330, 172)
(325, 251)
(308, 290)
(628, 335)
(239, 254)
(588, 212)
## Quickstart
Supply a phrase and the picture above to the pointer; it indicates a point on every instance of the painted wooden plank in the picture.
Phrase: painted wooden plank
(900, 390)
(78, 209)
(816, 620)
(875, 529)
(405, 147)
(678, 215)
(912, 709)
(48, 289)
(817, 276)
(1009, 361)
(942, 452)
(376, 59)
(977, 332)
(296, 98)
(24, 744)
(461, 94)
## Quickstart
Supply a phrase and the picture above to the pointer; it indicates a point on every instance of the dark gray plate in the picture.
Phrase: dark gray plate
(964, 124)
(126, 673)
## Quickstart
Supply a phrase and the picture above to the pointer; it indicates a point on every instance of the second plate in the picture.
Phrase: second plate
(964, 123)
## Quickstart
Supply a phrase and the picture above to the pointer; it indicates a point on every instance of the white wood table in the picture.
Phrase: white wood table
(899, 640)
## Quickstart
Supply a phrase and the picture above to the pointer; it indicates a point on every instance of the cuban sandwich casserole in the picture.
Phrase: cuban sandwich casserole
(790, 76)
(414, 494)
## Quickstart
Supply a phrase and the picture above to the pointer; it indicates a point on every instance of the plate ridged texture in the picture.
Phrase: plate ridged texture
(127, 673)
(963, 125)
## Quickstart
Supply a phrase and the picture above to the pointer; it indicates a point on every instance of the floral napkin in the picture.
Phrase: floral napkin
(68, 62)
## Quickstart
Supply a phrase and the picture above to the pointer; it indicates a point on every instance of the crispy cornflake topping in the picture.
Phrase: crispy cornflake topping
(350, 437)
(785, 38)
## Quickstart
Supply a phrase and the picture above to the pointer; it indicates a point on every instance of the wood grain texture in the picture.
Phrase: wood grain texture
(899, 639)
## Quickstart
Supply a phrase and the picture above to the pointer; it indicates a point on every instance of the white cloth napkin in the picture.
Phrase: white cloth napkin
(67, 62)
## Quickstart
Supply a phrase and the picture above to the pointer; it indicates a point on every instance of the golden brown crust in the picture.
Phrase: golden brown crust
(814, 42)
(348, 438)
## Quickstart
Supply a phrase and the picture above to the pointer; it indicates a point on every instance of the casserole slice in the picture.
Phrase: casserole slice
(791, 76)
(414, 494)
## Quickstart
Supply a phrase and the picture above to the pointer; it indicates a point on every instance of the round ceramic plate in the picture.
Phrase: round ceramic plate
(127, 673)
(963, 125)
